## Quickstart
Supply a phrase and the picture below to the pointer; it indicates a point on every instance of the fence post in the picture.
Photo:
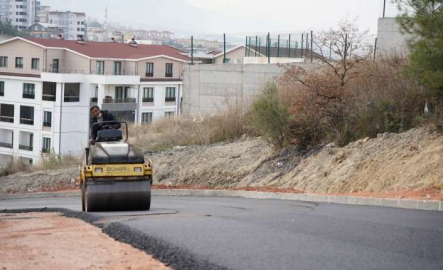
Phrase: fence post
(312, 44)
(192, 50)
(259, 45)
(246, 46)
(249, 51)
(278, 46)
(289, 49)
(269, 48)
(224, 48)
(256, 41)
(301, 48)
(375, 48)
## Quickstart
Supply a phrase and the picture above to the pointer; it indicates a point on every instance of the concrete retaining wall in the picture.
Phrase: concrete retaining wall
(390, 40)
(211, 89)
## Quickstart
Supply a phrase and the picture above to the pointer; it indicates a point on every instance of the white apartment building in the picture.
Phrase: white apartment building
(48, 86)
(72, 23)
(21, 13)
(43, 14)
(4, 10)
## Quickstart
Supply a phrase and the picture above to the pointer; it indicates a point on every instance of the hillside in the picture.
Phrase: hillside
(406, 165)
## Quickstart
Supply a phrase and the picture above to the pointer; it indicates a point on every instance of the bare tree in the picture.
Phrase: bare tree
(322, 95)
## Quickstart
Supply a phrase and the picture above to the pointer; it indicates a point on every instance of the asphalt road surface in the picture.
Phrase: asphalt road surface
(238, 233)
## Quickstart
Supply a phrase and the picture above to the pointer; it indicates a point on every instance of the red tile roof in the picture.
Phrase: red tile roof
(112, 50)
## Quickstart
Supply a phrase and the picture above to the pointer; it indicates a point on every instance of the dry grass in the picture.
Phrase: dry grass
(14, 166)
(185, 131)
(48, 162)
(54, 162)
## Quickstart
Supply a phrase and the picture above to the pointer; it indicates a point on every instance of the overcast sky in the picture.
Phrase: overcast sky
(230, 16)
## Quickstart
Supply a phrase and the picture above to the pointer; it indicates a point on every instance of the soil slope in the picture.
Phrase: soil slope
(411, 161)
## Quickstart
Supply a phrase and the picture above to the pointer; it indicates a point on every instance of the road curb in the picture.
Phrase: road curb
(349, 200)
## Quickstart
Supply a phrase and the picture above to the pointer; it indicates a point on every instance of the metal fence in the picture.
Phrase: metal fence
(204, 48)
(296, 45)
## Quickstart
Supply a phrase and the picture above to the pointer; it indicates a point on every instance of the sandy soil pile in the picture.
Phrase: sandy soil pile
(50, 241)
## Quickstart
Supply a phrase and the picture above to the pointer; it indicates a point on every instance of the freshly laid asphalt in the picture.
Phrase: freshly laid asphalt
(238, 233)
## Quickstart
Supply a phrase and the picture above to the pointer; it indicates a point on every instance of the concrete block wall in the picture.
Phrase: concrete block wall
(211, 89)
(390, 40)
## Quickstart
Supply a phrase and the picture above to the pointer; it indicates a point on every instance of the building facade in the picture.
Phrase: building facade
(4, 10)
(44, 30)
(73, 24)
(21, 13)
(48, 86)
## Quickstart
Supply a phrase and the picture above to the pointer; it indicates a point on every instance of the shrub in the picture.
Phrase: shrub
(13, 166)
(271, 116)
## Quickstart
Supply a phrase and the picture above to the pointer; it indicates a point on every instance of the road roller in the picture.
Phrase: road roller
(115, 175)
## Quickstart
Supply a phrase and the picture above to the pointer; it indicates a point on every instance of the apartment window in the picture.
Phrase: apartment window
(46, 145)
(7, 113)
(72, 92)
(147, 117)
(29, 90)
(169, 70)
(170, 94)
(121, 93)
(2, 89)
(47, 119)
(117, 68)
(100, 67)
(27, 115)
(19, 62)
(149, 69)
(148, 94)
(55, 65)
(49, 90)
(3, 61)
(35, 63)
(169, 114)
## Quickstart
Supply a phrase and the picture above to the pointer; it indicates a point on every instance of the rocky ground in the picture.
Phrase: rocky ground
(407, 164)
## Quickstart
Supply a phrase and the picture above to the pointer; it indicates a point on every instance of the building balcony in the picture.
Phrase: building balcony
(148, 99)
(119, 100)
(170, 99)
(119, 104)
(6, 145)
(27, 121)
(25, 147)
(64, 71)
(30, 96)
(7, 119)
(46, 151)
(94, 100)
(47, 124)
(48, 97)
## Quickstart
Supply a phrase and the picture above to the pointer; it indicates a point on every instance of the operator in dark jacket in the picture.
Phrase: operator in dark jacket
(99, 116)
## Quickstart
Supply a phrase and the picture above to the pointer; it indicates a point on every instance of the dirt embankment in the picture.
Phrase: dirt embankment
(395, 164)
(411, 161)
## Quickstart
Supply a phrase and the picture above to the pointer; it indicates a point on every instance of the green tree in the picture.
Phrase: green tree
(271, 116)
(424, 19)
(6, 28)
